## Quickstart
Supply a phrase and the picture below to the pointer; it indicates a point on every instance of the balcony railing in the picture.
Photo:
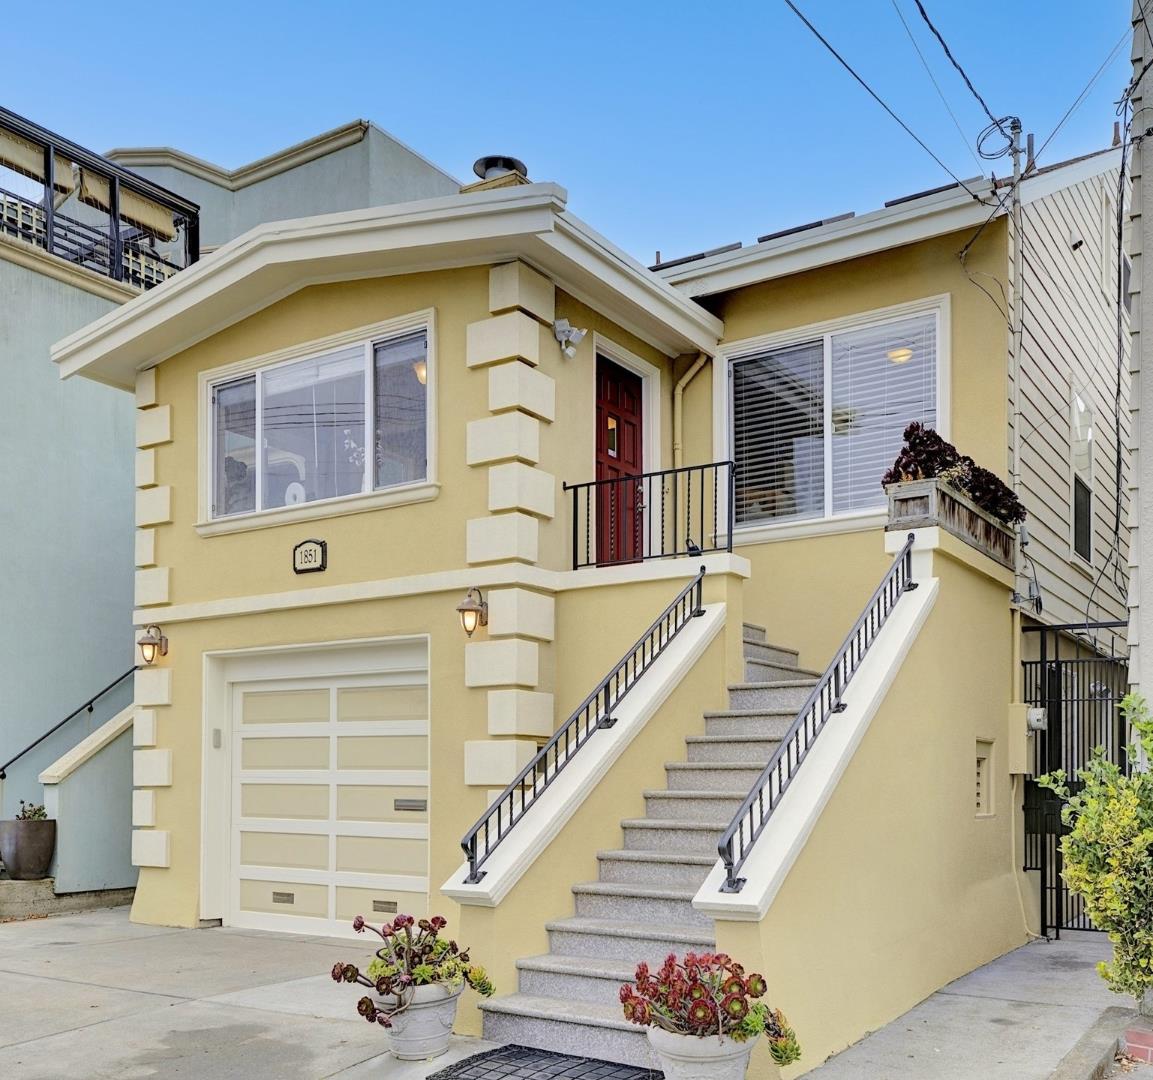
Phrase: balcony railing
(89, 211)
(656, 515)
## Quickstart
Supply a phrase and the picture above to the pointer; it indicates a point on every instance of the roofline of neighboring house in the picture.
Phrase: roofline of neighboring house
(901, 221)
(276, 259)
(290, 157)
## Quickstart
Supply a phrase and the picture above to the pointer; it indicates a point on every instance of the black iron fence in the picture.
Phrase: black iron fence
(826, 699)
(592, 715)
(654, 515)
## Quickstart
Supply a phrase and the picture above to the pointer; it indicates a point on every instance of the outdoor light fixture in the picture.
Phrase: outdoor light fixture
(152, 644)
(473, 611)
(420, 370)
(567, 336)
(901, 356)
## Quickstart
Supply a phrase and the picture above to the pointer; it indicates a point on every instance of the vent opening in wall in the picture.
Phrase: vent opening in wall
(284, 898)
(388, 907)
(984, 779)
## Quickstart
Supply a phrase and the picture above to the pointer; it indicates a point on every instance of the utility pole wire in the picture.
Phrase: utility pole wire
(877, 98)
(937, 87)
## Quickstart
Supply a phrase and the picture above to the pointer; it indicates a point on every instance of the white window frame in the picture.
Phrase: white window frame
(1075, 556)
(734, 351)
(374, 498)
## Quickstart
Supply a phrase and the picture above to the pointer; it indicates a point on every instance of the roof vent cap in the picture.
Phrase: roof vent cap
(491, 166)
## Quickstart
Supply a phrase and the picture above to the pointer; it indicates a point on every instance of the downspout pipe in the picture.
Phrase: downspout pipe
(679, 408)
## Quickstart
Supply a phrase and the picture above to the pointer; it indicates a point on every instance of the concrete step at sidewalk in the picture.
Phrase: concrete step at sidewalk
(734, 777)
(574, 978)
(691, 837)
(636, 903)
(786, 694)
(691, 805)
(674, 869)
(567, 1027)
(722, 748)
(621, 940)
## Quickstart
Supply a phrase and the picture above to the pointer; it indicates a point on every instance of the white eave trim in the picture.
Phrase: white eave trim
(276, 259)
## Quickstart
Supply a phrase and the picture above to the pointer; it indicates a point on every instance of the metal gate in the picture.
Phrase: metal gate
(1079, 679)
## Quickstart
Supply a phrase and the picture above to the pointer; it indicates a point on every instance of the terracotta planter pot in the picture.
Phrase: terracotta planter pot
(691, 1057)
(26, 848)
(423, 1029)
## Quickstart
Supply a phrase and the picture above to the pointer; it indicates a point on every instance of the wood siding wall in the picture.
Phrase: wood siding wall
(1069, 345)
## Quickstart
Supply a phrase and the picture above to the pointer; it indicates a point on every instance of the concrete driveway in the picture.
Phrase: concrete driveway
(95, 996)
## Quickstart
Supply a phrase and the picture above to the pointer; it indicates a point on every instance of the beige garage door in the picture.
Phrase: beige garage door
(330, 802)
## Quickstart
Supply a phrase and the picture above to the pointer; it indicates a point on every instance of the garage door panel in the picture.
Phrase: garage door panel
(284, 898)
(382, 752)
(380, 803)
(295, 850)
(309, 801)
(372, 854)
(284, 753)
(379, 904)
(366, 703)
(286, 706)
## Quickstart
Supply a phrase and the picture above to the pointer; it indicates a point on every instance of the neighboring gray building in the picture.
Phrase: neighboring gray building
(68, 490)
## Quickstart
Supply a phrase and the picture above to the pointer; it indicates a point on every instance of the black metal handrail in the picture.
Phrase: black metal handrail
(653, 515)
(826, 698)
(593, 714)
(86, 707)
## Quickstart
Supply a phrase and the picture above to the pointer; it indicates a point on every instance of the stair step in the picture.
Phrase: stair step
(567, 1027)
(753, 632)
(692, 837)
(734, 776)
(630, 942)
(751, 749)
(634, 903)
(655, 868)
(767, 671)
(760, 723)
(785, 694)
(691, 805)
(574, 978)
(756, 649)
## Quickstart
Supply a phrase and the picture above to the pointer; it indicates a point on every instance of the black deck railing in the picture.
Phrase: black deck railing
(826, 699)
(89, 211)
(655, 515)
(593, 714)
(85, 708)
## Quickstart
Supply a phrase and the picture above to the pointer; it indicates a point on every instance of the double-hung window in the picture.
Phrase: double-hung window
(346, 422)
(1081, 460)
(816, 422)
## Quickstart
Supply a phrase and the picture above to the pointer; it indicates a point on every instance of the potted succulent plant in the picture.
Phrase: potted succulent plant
(704, 1017)
(27, 843)
(418, 977)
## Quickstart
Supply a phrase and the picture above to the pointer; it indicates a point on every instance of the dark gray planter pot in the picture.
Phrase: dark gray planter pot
(26, 848)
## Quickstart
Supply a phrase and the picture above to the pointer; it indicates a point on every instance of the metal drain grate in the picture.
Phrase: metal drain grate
(524, 1063)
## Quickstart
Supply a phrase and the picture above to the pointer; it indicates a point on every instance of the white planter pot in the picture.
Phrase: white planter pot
(690, 1057)
(423, 1029)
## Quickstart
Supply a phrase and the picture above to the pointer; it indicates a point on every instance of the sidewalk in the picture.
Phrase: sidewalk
(1013, 1019)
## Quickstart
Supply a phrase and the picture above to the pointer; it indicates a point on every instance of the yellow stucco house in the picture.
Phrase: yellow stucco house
(653, 496)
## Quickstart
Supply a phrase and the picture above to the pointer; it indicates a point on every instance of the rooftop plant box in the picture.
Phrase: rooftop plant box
(920, 504)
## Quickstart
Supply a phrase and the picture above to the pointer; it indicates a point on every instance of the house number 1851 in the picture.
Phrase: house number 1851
(310, 556)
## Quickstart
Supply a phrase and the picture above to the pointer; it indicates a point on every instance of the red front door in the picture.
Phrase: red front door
(619, 503)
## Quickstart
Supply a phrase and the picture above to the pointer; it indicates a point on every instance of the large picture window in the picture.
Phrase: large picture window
(314, 422)
(816, 423)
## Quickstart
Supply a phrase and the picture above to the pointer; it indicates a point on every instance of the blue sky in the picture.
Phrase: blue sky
(673, 125)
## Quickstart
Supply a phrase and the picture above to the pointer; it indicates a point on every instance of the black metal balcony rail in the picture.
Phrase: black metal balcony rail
(654, 515)
(592, 715)
(90, 211)
(826, 699)
(85, 708)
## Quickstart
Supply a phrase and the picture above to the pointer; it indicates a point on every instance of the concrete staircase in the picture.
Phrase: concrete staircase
(640, 907)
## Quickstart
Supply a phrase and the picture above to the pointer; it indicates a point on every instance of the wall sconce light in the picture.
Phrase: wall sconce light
(473, 611)
(567, 336)
(152, 644)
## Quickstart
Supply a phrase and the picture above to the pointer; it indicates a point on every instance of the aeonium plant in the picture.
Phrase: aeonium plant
(708, 994)
(412, 954)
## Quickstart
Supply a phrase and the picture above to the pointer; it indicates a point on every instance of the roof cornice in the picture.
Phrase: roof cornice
(276, 259)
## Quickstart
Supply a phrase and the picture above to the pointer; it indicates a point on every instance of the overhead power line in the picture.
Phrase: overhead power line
(877, 98)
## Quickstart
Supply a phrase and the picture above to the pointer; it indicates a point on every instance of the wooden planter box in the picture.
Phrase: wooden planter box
(920, 504)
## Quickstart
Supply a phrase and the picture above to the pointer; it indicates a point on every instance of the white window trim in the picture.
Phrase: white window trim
(397, 495)
(849, 520)
(1077, 559)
